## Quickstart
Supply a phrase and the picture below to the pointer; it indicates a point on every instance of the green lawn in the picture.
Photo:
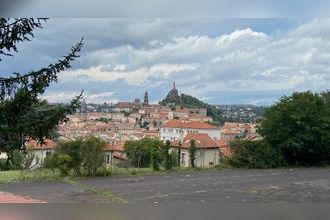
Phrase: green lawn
(28, 175)
(46, 174)
(9, 176)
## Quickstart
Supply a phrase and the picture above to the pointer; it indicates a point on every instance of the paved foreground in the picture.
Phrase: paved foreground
(278, 185)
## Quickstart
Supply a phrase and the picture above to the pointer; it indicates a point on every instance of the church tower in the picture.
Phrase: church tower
(146, 98)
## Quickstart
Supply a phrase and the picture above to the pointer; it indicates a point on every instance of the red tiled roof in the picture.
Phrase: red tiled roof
(119, 146)
(33, 145)
(185, 124)
(202, 141)
(224, 146)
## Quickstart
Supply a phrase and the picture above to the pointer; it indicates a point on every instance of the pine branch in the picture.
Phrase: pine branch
(37, 81)
(17, 31)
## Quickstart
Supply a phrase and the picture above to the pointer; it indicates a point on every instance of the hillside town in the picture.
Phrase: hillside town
(136, 120)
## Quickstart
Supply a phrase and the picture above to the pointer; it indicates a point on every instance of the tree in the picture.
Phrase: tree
(166, 155)
(299, 127)
(192, 153)
(179, 154)
(144, 153)
(23, 116)
(255, 154)
(74, 151)
(92, 153)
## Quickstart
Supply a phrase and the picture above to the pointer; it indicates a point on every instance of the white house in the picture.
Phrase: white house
(40, 151)
(114, 152)
(175, 130)
(207, 150)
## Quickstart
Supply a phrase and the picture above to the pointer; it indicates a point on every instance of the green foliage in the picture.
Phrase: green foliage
(299, 127)
(13, 32)
(28, 159)
(19, 160)
(255, 154)
(103, 171)
(58, 161)
(144, 153)
(16, 160)
(83, 156)
(179, 155)
(72, 149)
(174, 158)
(168, 163)
(192, 153)
(155, 158)
(92, 153)
(23, 116)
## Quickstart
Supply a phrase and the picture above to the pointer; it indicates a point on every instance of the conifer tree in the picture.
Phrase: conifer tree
(23, 115)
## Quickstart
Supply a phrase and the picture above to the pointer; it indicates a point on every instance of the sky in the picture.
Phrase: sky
(221, 61)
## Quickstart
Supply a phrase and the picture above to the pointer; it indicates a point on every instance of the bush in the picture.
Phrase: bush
(168, 163)
(73, 149)
(144, 153)
(58, 161)
(92, 154)
(103, 171)
(79, 155)
(28, 159)
(16, 160)
(299, 127)
(255, 154)
(3, 165)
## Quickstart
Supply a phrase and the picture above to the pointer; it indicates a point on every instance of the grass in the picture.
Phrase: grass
(28, 175)
(100, 193)
(48, 175)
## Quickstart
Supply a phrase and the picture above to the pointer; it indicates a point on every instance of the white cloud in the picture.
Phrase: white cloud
(67, 96)
(132, 77)
(243, 60)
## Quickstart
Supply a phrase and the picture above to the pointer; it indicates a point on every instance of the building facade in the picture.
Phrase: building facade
(175, 130)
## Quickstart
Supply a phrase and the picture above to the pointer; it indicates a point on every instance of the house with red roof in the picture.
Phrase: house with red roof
(41, 151)
(115, 152)
(174, 130)
(207, 150)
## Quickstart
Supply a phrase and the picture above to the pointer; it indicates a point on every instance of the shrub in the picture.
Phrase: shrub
(28, 159)
(78, 155)
(174, 158)
(155, 158)
(166, 155)
(72, 149)
(92, 154)
(255, 154)
(192, 153)
(144, 153)
(103, 171)
(299, 126)
(3, 164)
(58, 161)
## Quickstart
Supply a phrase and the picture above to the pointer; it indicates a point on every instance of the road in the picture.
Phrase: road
(231, 185)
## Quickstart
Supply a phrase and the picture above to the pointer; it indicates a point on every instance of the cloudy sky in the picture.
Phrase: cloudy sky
(221, 61)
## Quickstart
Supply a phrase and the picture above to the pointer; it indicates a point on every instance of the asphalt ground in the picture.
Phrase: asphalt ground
(298, 185)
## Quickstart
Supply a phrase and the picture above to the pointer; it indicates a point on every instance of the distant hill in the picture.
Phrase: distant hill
(174, 99)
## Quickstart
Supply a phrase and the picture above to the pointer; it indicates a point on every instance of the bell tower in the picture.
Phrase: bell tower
(146, 98)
